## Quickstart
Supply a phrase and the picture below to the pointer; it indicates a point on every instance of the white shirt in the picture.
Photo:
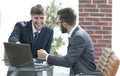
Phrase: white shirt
(34, 30)
(71, 31)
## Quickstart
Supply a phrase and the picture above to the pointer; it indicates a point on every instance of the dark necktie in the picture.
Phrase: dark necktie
(35, 37)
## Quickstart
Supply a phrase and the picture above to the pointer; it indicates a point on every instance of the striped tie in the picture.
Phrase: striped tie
(35, 37)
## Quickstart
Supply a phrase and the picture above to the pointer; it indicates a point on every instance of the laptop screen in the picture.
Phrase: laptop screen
(18, 54)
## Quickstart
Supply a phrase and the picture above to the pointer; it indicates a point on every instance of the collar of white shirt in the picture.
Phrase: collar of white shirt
(71, 31)
(34, 30)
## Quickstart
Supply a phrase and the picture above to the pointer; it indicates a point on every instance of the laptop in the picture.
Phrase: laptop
(18, 55)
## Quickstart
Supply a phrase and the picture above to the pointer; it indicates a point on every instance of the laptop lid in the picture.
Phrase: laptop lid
(18, 54)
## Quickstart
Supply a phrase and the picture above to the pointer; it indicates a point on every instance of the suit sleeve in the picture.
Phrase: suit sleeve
(77, 44)
(15, 35)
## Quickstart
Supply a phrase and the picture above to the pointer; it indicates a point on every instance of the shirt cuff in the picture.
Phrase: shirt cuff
(47, 57)
(17, 42)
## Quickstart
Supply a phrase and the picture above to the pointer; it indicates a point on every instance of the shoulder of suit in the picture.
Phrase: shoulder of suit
(23, 23)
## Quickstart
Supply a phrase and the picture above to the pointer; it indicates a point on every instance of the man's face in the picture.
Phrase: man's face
(63, 29)
(38, 21)
(60, 23)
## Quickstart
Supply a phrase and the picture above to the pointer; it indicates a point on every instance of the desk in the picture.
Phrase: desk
(37, 68)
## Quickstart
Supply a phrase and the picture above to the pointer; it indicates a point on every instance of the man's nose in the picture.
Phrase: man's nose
(39, 20)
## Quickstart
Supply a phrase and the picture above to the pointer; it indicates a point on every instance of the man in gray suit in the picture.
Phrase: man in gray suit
(80, 53)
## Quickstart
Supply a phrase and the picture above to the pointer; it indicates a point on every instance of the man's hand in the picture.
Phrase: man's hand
(42, 54)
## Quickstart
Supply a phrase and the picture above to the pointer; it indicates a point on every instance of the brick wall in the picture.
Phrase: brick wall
(95, 16)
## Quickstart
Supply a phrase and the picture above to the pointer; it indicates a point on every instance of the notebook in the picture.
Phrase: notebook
(18, 55)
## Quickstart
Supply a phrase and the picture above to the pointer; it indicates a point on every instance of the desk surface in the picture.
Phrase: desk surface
(30, 71)
(57, 71)
(36, 68)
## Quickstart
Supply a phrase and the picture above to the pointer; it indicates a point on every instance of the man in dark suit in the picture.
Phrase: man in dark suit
(34, 32)
(80, 53)
(24, 31)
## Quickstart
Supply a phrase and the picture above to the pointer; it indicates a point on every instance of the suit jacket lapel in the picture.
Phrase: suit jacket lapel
(29, 31)
(77, 28)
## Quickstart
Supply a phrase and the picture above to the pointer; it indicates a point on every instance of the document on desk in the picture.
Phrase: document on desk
(41, 65)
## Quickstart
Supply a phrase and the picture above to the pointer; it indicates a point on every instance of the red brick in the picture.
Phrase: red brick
(91, 32)
(81, 19)
(105, 6)
(110, 1)
(85, 1)
(104, 41)
(96, 36)
(97, 14)
(94, 28)
(92, 19)
(108, 15)
(105, 10)
(107, 28)
(101, 23)
(87, 6)
(83, 14)
(81, 10)
(103, 32)
(91, 10)
(97, 57)
(98, 49)
(100, 1)
(107, 37)
(106, 19)
(98, 45)
(85, 23)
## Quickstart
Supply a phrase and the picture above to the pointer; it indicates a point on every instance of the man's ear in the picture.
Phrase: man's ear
(64, 24)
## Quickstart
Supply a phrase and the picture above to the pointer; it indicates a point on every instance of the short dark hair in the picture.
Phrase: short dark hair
(68, 15)
(37, 10)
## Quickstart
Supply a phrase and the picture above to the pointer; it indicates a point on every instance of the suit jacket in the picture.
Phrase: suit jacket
(23, 33)
(80, 53)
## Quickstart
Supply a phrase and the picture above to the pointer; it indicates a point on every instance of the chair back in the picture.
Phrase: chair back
(104, 58)
(108, 63)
